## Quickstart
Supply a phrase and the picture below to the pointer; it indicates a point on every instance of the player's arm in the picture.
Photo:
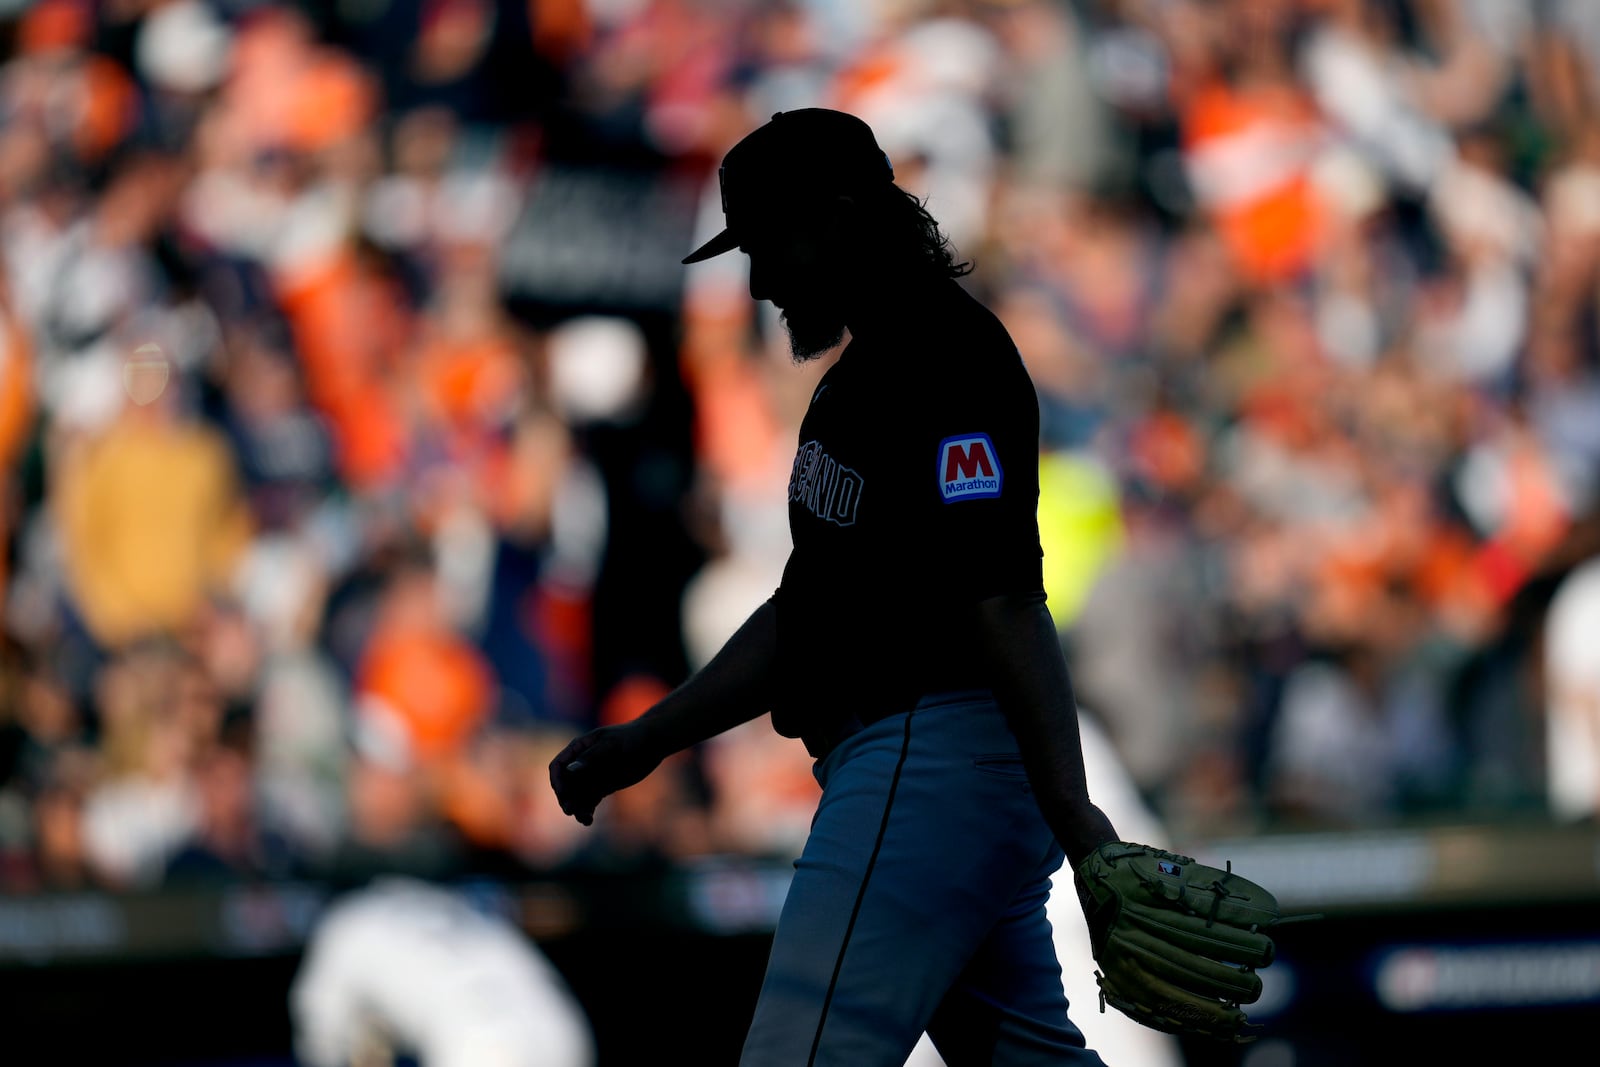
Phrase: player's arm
(731, 689)
(1031, 683)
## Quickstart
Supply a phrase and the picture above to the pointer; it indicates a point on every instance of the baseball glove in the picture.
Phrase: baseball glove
(1178, 943)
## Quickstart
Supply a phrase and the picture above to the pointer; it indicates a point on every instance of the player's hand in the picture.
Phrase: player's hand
(598, 764)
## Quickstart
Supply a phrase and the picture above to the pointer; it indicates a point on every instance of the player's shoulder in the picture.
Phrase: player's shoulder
(957, 310)
(968, 343)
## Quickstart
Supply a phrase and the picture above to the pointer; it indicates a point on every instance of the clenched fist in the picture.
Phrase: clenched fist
(598, 764)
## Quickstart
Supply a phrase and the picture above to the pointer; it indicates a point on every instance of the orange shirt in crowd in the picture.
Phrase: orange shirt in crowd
(351, 333)
(1249, 153)
(469, 383)
(437, 684)
(96, 96)
(288, 91)
(17, 410)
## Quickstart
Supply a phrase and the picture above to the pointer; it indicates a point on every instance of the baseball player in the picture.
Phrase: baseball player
(908, 646)
(406, 968)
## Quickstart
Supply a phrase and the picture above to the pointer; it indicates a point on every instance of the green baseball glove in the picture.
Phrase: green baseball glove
(1178, 943)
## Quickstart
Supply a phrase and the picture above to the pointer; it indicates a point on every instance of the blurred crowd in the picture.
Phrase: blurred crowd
(362, 440)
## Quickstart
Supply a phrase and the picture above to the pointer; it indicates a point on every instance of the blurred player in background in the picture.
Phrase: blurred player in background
(405, 968)
(1571, 669)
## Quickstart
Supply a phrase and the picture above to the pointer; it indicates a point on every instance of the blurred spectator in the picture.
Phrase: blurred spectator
(84, 102)
(151, 515)
(229, 840)
(18, 409)
(1339, 751)
(1056, 91)
(1133, 657)
(46, 764)
(423, 690)
(392, 823)
(1250, 137)
(154, 730)
(284, 450)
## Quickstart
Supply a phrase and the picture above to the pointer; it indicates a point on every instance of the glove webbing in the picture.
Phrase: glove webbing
(1218, 887)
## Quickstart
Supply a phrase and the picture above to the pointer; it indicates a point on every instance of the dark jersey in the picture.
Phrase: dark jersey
(913, 496)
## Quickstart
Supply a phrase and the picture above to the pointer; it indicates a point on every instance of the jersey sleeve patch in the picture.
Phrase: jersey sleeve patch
(969, 468)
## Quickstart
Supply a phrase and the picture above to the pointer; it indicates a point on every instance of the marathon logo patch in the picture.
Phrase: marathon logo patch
(969, 468)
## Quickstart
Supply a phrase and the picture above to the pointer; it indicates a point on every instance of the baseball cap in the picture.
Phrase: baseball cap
(799, 155)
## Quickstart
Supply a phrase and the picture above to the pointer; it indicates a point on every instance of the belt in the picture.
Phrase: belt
(819, 743)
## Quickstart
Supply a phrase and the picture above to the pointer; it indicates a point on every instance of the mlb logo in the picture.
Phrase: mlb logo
(969, 468)
(1168, 867)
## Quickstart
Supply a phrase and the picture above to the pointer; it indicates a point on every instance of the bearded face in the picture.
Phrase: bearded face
(812, 332)
(796, 263)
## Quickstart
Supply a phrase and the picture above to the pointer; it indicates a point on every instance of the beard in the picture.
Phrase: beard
(811, 334)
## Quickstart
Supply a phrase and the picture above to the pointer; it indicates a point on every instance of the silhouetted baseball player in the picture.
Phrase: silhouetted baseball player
(908, 645)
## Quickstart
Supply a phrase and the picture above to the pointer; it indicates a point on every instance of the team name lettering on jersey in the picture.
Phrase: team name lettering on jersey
(828, 489)
(969, 468)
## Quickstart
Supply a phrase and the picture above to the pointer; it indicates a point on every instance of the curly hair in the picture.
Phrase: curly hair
(901, 221)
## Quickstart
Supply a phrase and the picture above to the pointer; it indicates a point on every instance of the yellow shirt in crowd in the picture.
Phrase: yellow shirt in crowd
(152, 519)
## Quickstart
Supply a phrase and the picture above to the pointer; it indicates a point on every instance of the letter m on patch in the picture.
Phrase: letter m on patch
(969, 469)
